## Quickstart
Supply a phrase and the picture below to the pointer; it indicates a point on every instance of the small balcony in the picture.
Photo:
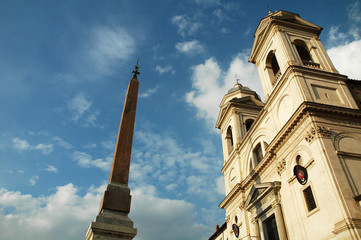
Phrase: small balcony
(311, 64)
(276, 77)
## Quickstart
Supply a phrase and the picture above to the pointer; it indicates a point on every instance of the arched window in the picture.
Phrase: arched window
(275, 67)
(229, 139)
(298, 160)
(272, 64)
(248, 124)
(303, 52)
(257, 154)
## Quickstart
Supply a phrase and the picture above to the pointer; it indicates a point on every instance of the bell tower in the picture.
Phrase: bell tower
(294, 66)
(238, 111)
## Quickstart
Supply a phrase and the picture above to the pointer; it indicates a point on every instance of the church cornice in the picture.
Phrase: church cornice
(230, 196)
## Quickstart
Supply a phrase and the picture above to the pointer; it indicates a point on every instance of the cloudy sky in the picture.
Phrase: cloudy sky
(65, 66)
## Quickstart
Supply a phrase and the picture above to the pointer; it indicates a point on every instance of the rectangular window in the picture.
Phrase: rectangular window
(310, 200)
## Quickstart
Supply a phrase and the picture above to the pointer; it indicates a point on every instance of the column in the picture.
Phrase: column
(279, 220)
(255, 234)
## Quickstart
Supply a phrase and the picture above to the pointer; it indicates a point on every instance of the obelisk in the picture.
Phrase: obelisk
(112, 221)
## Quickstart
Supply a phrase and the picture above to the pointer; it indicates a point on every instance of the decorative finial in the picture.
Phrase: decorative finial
(135, 71)
(268, 7)
(237, 79)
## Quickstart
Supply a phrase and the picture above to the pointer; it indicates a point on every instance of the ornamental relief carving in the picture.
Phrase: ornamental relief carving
(319, 131)
(281, 166)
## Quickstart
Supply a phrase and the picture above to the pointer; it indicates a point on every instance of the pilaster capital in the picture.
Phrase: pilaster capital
(235, 111)
(254, 220)
(318, 131)
(276, 203)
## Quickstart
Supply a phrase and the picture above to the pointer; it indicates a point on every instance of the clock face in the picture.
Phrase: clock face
(232, 178)
(285, 109)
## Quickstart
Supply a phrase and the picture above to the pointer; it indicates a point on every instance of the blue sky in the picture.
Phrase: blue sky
(65, 67)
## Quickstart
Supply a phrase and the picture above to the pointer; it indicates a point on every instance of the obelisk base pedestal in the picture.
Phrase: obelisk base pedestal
(112, 221)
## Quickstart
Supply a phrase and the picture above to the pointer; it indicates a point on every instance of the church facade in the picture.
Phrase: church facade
(292, 164)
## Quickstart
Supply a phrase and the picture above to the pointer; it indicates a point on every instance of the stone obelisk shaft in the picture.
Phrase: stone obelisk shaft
(112, 222)
(123, 149)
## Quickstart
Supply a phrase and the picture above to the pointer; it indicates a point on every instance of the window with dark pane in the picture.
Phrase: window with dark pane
(229, 137)
(249, 123)
(258, 153)
(303, 51)
(310, 200)
(271, 232)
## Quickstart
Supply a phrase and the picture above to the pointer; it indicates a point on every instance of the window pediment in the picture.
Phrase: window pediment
(259, 191)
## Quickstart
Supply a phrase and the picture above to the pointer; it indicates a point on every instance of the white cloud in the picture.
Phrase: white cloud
(149, 92)
(109, 46)
(185, 25)
(66, 214)
(150, 213)
(159, 159)
(62, 215)
(51, 168)
(221, 189)
(191, 48)
(90, 145)
(354, 15)
(33, 180)
(20, 144)
(347, 58)
(164, 69)
(45, 148)
(224, 30)
(78, 105)
(62, 143)
(337, 37)
(210, 84)
(79, 108)
(85, 160)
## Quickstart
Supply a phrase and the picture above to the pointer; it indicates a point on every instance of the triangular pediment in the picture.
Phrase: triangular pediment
(280, 18)
(248, 102)
(259, 191)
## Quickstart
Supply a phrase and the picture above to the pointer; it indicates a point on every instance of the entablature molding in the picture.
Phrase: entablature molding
(231, 195)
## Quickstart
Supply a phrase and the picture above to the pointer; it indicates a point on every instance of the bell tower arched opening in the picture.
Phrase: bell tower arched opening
(303, 51)
(229, 139)
(273, 67)
(248, 124)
